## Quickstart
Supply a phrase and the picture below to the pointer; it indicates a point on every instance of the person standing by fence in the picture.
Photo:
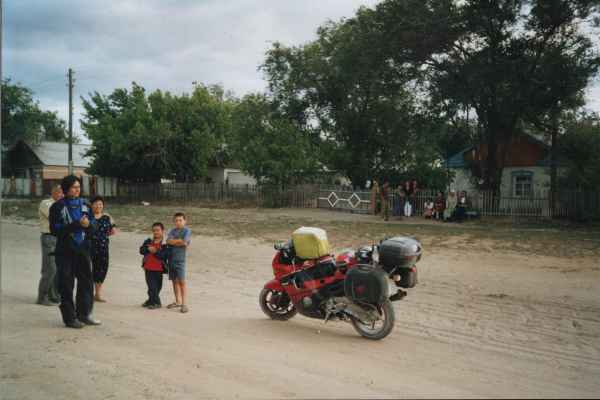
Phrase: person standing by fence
(408, 207)
(72, 223)
(416, 207)
(439, 206)
(451, 203)
(48, 288)
(375, 198)
(399, 199)
(385, 206)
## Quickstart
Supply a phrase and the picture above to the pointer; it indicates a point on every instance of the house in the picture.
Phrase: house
(32, 169)
(230, 174)
(526, 171)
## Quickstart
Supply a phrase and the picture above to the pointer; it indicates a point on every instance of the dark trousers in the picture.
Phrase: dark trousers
(154, 281)
(70, 267)
(48, 286)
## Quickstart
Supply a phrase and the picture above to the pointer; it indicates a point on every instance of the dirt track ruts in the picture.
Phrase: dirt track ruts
(478, 325)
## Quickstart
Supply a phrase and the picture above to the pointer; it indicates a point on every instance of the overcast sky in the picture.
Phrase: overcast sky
(164, 44)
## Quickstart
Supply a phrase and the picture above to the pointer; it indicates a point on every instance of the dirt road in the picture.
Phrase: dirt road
(479, 325)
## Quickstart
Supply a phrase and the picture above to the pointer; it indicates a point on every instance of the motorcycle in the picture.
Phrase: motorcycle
(352, 286)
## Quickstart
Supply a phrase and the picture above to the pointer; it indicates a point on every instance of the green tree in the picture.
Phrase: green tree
(343, 88)
(271, 147)
(579, 147)
(508, 60)
(142, 137)
(22, 117)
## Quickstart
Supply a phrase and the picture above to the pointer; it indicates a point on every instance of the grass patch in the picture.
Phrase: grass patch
(346, 230)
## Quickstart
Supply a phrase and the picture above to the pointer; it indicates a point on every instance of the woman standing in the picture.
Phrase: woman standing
(439, 206)
(105, 227)
(408, 207)
(375, 198)
(72, 224)
(450, 206)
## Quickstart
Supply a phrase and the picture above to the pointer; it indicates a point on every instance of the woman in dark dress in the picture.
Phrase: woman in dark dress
(105, 227)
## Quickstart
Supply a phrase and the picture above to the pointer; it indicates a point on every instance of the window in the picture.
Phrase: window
(523, 184)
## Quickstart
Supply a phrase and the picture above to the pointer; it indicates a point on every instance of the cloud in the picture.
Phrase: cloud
(164, 44)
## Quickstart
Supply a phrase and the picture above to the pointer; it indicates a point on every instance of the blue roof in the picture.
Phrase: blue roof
(458, 160)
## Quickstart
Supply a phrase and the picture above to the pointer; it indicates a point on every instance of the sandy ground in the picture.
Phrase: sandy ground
(477, 325)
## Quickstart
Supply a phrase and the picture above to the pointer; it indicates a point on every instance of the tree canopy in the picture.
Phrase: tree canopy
(142, 137)
(272, 147)
(361, 106)
(22, 117)
(579, 148)
(511, 61)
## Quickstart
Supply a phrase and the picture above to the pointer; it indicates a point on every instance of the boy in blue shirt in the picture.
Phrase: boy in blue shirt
(179, 239)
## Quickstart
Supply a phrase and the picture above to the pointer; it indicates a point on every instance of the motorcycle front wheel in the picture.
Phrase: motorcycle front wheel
(380, 328)
(276, 305)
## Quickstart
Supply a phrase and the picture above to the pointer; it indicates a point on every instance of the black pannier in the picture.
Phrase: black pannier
(400, 251)
(366, 284)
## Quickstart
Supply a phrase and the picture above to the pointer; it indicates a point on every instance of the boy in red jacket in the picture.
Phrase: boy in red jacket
(154, 252)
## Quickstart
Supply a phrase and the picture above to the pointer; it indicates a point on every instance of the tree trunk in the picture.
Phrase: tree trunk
(493, 174)
(553, 166)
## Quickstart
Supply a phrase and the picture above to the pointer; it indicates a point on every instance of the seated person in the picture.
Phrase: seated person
(461, 207)
(428, 211)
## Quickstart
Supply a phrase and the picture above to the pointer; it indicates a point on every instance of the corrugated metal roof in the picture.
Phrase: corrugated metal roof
(57, 153)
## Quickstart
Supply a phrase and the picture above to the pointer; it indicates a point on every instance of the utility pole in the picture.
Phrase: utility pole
(70, 76)
(1, 183)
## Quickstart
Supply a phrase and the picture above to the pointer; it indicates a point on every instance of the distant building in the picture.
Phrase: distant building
(38, 167)
(230, 174)
(526, 171)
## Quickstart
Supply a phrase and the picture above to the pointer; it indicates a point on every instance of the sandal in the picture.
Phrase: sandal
(184, 309)
(173, 305)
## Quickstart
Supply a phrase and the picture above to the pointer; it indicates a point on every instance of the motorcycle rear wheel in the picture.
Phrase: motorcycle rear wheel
(386, 323)
(276, 305)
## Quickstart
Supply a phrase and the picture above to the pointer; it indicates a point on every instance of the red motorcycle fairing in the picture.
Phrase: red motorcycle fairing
(280, 269)
(301, 288)
(347, 257)
(275, 284)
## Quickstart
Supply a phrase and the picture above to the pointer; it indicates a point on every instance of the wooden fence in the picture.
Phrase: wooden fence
(36, 187)
(569, 204)
(245, 195)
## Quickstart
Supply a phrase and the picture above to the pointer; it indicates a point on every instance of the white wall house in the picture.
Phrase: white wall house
(526, 172)
(233, 176)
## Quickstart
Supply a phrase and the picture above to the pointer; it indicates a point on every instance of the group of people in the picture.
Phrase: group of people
(75, 238)
(404, 198)
(451, 209)
(404, 202)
